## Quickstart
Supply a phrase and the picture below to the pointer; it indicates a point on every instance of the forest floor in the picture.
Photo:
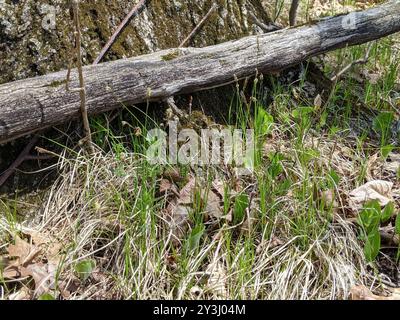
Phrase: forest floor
(315, 218)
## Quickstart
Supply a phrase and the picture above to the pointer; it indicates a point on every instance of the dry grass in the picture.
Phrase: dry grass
(294, 244)
(107, 209)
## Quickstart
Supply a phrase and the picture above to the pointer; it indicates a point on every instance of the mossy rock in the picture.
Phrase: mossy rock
(36, 35)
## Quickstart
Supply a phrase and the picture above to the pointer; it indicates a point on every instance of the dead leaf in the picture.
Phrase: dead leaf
(173, 175)
(38, 238)
(23, 294)
(372, 167)
(178, 212)
(165, 185)
(196, 291)
(393, 163)
(379, 190)
(363, 293)
(217, 280)
(219, 186)
(43, 275)
(275, 242)
(187, 192)
(22, 250)
(213, 206)
(372, 77)
(328, 199)
(318, 101)
(11, 272)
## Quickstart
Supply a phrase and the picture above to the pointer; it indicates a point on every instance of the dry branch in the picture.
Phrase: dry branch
(32, 104)
(135, 10)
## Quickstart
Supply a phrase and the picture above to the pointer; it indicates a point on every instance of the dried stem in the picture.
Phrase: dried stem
(198, 27)
(120, 28)
(82, 91)
(264, 27)
(349, 66)
(20, 159)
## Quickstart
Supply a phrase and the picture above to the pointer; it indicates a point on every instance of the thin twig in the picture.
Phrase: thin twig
(49, 153)
(171, 103)
(39, 157)
(264, 27)
(120, 28)
(20, 159)
(198, 27)
(85, 118)
(352, 64)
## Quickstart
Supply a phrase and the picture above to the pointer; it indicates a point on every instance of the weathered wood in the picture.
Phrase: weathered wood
(29, 105)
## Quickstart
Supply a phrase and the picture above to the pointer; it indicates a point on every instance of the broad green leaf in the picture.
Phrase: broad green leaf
(275, 168)
(370, 216)
(397, 225)
(387, 212)
(46, 296)
(301, 112)
(372, 245)
(241, 204)
(382, 125)
(85, 268)
(195, 237)
(385, 150)
(264, 122)
(383, 122)
(335, 178)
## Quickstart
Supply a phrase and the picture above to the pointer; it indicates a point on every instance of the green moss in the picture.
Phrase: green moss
(171, 55)
(57, 83)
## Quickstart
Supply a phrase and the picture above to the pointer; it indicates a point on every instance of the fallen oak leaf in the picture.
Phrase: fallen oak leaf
(23, 294)
(165, 185)
(43, 276)
(217, 279)
(187, 192)
(372, 166)
(38, 238)
(379, 190)
(11, 272)
(173, 175)
(23, 251)
(328, 199)
(213, 206)
(393, 163)
(363, 293)
(178, 221)
(219, 187)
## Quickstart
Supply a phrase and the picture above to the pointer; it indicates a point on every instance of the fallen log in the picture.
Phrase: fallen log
(37, 103)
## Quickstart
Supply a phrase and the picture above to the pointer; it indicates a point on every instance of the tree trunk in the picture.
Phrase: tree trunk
(29, 105)
(36, 35)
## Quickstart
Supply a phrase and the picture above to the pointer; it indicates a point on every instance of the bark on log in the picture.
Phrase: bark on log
(29, 105)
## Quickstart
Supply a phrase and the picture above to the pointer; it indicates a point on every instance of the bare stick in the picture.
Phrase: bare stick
(20, 159)
(85, 118)
(264, 27)
(293, 12)
(120, 28)
(171, 103)
(198, 27)
(352, 64)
